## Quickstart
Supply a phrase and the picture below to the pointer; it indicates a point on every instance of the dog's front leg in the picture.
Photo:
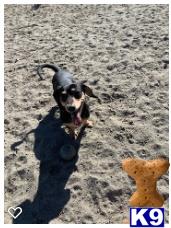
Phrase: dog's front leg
(71, 130)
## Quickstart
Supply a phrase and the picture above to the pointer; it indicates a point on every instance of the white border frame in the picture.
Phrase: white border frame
(85, 2)
(2, 88)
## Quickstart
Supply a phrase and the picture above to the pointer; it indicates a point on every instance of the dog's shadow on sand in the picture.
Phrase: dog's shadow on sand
(51, 195)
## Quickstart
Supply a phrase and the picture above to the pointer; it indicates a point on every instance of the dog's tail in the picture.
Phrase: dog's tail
(50, 66)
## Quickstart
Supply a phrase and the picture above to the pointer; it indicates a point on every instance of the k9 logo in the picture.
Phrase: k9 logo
(146, 217)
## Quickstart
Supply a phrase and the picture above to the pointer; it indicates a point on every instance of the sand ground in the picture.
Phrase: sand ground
(122, 52)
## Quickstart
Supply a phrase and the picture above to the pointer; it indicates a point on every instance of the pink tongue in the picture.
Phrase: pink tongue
(77, 119)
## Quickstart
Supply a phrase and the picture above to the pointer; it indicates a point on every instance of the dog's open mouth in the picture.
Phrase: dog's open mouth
(76, 118)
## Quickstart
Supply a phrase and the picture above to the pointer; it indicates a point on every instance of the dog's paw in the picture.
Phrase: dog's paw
(89, 123)
(74, 134)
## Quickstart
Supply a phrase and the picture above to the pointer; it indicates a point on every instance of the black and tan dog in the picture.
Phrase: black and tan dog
(70, 97)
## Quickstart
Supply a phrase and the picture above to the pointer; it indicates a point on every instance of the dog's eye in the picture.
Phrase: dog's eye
(77, 94)
(73, 89)
(64, 97)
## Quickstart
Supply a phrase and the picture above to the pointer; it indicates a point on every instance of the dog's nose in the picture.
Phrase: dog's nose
(71, 108)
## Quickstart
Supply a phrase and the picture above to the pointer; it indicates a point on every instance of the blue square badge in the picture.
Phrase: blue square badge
(146, 217)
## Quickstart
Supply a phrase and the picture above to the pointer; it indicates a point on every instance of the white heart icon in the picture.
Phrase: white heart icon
(15, 212)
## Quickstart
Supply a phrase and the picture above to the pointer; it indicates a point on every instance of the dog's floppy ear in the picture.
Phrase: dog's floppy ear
(56, 95)
(87, 90)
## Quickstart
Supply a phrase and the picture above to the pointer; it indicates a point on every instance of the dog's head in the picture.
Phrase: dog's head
(72, 96)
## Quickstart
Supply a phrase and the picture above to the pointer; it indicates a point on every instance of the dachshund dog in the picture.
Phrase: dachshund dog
(70, 97)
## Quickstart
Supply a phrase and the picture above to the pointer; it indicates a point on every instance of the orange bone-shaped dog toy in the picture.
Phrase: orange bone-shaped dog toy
(146, 173)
